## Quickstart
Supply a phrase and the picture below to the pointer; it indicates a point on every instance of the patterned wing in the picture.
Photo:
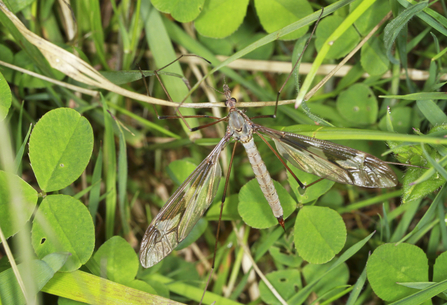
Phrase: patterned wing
(332, 161)
(182, 211)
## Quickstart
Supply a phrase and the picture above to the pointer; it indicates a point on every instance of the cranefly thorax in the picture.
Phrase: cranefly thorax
(240, 127)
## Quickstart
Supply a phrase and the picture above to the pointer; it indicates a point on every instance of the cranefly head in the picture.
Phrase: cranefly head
(230, 101)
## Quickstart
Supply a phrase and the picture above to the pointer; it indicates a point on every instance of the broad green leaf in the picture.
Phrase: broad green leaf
(335, 269)
(391, 263)
(63, 223)
(371, 17)
(440, 268)
(5, 97)
(179, 170)
(337, 277)
(262, 53)
(60, 148)
(332, 199)
(254, 208)
(415, 191)
(311, 193)
(373, 57)
(319, 235)
(183, 11)
(217, 46)
(229, 210)
(343, 45)
(179, 269)
(358, 105)
(277, 14)
(115, 260)
(41, 271)
(290, 260)
(195, 233)
(220, 18)
(402, 119)
(12, 188)
(286, 282)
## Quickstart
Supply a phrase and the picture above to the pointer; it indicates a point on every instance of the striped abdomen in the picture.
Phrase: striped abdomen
(264, 179)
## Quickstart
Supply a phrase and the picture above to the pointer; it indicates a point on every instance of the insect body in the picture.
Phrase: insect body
(322, 158)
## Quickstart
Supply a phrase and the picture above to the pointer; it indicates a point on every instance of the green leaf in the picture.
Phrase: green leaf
(311, 193)
(432, 112)
(424, 295)
(12, 188)
(220, 18)
(285, 282)
(229, 210)
(254, 208)
(402, 119)
(290, 260)
(396, 25)
(332, 199)
(8, 57)
(373, 56)
(320, 234)
(371, 17)
(115, 260)
(41, 271)
(275, 15)
(5, 97)
(301, 296)
(337, 277)
(142, 286)
(418, 96)
(218, 46)
(22, 59)
(91, 289)
(391, 263)
(183, 11)
(63, 224)
(440, 268)
(358, 105)
(262, 53)
(65, 301)
(415, 191)
(179, 269)
(179, 170)
(60, 148)
(358, 287)
(160, 44)
(195, 233)
(341, 46)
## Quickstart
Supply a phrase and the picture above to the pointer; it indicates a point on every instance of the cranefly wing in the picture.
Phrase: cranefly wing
(182, 211)
(332, 161)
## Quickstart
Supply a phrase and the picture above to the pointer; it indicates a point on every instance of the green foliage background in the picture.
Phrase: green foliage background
(85, 164)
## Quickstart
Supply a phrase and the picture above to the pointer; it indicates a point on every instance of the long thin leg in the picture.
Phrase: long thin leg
(169, 117)
(290, 74)
(209, 124)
